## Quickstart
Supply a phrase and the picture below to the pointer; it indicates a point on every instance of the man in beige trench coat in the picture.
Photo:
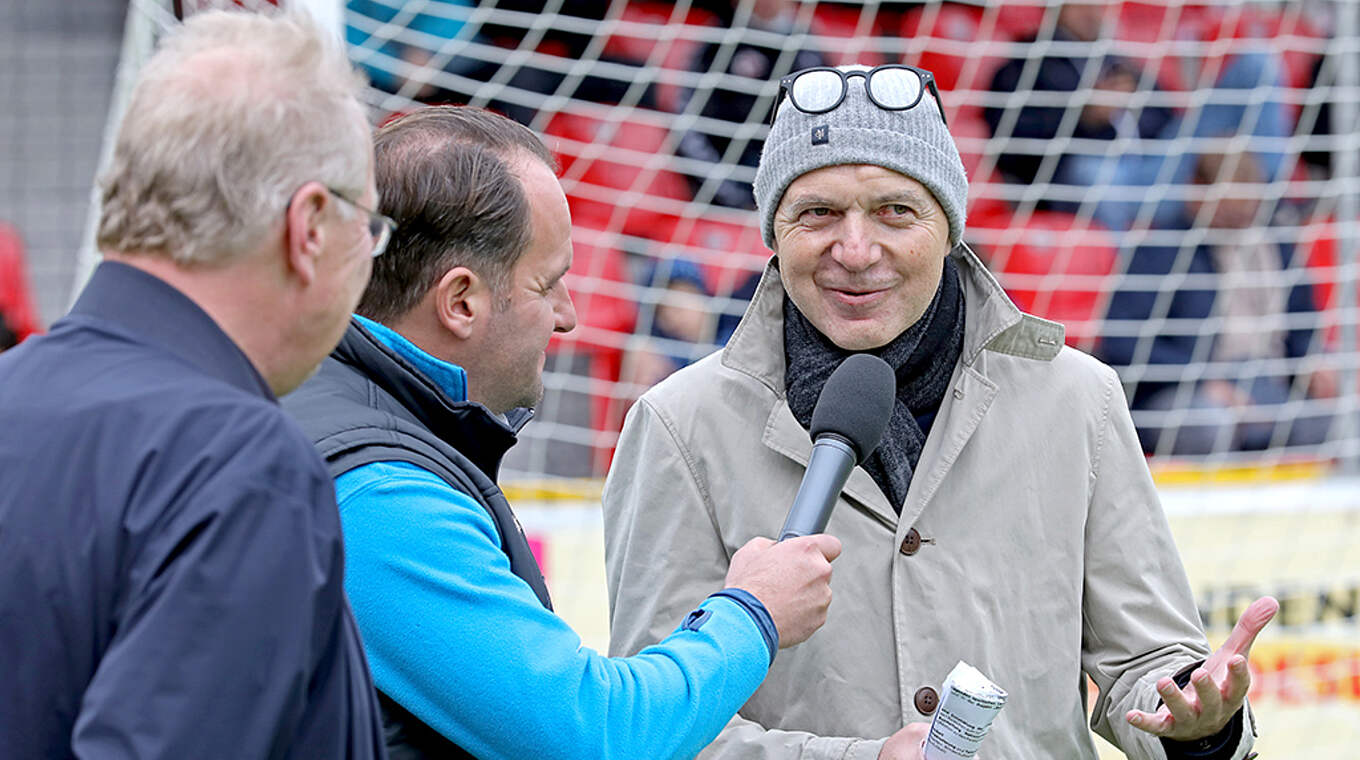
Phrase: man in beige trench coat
(1008, 519)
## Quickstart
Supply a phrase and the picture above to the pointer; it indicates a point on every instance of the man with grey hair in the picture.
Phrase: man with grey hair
(413, 412)
(1007, 520)
(171, 567)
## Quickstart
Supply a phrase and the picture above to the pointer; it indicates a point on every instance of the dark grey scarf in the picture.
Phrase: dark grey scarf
(923, 357)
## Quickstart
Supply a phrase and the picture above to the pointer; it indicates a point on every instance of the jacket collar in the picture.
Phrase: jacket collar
(994, 323)
(467, 426)
(451, 378)
(154, 312)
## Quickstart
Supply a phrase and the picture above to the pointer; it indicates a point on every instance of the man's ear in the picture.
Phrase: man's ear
(462, 301)
(304, 235)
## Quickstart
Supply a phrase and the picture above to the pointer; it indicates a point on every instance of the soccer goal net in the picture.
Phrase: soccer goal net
(1175, 182)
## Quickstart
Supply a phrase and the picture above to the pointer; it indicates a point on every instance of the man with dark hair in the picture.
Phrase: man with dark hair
(413, 412)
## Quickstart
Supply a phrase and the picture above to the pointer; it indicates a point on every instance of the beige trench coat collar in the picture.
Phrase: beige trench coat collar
(993, 323)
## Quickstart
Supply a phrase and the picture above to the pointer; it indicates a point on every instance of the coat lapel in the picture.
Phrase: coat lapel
(970, 395)
(784, 435)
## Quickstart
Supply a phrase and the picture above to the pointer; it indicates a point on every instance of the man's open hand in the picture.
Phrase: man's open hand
(1216, 688)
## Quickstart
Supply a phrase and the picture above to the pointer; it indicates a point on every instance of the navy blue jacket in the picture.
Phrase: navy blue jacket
(171, 566)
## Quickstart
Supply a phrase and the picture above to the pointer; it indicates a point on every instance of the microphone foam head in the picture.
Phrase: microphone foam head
(856, 403)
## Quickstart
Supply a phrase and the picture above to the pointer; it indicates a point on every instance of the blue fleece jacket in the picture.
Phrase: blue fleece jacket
(456, 638)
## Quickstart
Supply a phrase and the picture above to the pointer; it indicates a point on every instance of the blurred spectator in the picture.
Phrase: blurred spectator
(17, 315)
(1101, 86)
(1317, 119)
(408, 49)
(1229, 381)
(1100, 117)
(752, 57)
(681, 323)
(397, 42)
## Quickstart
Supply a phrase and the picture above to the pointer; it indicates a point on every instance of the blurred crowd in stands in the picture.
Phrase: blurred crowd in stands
(1133, 166)
(1152, 174)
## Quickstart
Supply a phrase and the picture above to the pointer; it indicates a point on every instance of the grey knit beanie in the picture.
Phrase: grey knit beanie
(915, 142)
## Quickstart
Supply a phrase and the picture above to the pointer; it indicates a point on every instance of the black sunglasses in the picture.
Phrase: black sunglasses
(892, 87)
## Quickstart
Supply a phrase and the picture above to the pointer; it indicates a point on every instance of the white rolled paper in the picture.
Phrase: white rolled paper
(967, 708)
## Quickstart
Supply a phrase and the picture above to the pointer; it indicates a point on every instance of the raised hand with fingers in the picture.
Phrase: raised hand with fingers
(1216, 689)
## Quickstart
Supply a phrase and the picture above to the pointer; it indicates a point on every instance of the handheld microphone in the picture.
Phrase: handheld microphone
(848, 422)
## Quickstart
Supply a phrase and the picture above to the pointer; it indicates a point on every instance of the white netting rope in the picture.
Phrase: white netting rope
(615, 89)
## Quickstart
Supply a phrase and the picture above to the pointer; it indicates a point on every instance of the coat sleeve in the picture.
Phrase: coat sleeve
(1139, 619)
(663, 553)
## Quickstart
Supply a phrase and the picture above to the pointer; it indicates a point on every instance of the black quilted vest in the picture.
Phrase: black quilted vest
(366, 404)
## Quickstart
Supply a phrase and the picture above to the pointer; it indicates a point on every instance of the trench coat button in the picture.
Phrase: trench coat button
(926, 700)
(911, 544)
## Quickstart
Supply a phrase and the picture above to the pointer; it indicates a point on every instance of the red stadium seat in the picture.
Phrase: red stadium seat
(1318, 246)
(842, 23)
(653, 32)
(1054, 268)
(927, 24)
(1147, 22)
(16, 300)
(987, 210)
(1019, 20)
(601, 160)
(961, 45)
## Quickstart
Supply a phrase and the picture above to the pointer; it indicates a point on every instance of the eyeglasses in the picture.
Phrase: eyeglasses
(892, 87)
(380, 226)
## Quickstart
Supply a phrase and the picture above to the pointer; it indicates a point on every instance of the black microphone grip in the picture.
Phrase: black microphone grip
(830, 464)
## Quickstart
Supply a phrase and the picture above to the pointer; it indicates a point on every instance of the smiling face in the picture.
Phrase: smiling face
(861, 249)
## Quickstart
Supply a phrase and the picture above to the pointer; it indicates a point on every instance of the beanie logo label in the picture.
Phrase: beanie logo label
(821, 134)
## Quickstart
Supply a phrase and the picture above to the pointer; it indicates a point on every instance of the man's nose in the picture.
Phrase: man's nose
(564, 312)
(856, 250)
